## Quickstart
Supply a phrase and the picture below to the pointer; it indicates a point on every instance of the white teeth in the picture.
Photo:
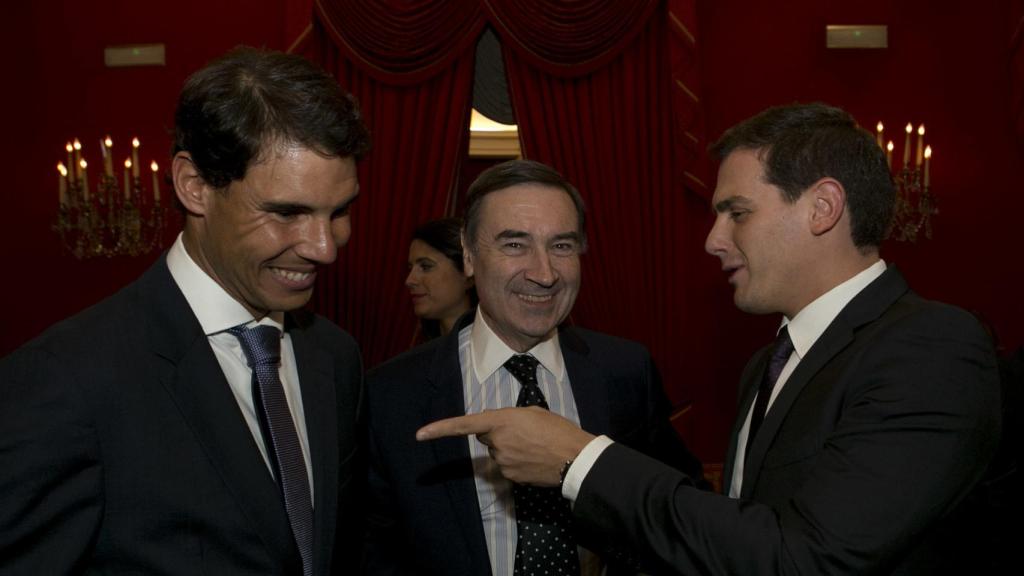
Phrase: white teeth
(531, 298)
(292, 276)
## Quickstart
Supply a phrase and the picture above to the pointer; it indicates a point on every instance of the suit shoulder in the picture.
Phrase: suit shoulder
(413, 361)
(601, 343)
(914, 313)
(99, 329)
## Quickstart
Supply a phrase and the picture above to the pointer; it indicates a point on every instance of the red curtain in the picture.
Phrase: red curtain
(410, 65)
(607, 124)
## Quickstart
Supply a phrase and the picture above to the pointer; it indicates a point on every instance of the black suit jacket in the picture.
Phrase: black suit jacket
(860, 466)
(123, 450)
(424, 513)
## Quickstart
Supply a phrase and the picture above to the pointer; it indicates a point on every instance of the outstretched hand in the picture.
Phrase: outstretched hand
(530, 445)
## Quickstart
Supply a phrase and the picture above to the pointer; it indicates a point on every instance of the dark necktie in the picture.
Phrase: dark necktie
(262, 347)
(544, 544)
(781, 350)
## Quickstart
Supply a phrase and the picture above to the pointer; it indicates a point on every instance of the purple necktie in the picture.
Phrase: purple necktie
(262, 347)
(544, 544)
(781, 350)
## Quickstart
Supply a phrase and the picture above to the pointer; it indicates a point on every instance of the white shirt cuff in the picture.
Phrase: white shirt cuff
(581, 466)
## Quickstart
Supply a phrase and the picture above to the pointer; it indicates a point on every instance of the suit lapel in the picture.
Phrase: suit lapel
(319, 402)
(451, 455)
(588, 383)
(866, 307)
(189, 371)
(748, 391)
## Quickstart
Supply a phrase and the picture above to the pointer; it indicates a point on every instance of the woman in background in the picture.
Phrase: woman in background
(440, 290)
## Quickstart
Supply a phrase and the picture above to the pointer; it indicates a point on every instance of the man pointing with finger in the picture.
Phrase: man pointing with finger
(444, 507)
(860, 431)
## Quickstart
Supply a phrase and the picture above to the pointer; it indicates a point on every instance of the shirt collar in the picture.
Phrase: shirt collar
(215, 309)
(489, 352)
(810, 323)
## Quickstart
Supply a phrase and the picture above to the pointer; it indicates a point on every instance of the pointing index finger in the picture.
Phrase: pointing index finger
(457, 426)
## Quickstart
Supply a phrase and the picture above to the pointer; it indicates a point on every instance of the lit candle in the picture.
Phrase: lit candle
(906, 145)
(920, 145)
(84, 178)
(127, 178)
(927, 165)
(888, 154)
(108, 156)
(78, 158)
(135, 157)
(879, 136)
(156, 182)
(70, 149)
(62, 184)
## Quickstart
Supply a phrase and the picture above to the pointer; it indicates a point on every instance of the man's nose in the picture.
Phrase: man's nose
(715, 244)
(322, 238)
(541, 271)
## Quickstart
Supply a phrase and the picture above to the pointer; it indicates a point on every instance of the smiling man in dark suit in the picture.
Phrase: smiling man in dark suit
(444, 508)
(196, 422)
(859, 432)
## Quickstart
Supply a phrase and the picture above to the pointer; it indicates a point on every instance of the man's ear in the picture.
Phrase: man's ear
(467, 256)
(189, 186)
(829, 199)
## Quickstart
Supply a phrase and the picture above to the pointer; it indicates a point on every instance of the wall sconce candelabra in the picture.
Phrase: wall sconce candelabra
(112, 218)
(915, 204)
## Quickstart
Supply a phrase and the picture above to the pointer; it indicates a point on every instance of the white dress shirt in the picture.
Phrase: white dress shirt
(804, 329)
(217, 311)
(488, 385)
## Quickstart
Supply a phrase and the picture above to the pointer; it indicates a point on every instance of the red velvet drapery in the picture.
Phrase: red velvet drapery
(410, 65)
(592, 87)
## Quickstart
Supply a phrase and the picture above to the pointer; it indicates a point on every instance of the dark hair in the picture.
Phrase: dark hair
(443, 235)
(511, 173)
(799, 144)
(240, 104)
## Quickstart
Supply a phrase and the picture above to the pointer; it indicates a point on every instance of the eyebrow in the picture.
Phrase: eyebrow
(295, 208)
(514, 234)
(728, 203)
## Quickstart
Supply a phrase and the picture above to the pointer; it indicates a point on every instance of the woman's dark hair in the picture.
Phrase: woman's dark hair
(443, 235)
(234, 109)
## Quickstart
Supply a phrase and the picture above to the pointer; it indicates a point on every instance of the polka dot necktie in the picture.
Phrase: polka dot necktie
(262, 347)
(545, 544)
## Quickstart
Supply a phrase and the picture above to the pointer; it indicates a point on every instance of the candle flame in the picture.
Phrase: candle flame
(78, 145)
(83, 163)
(889, 146)
(108, 142)
(135, 142)
(60, 168)
(880, 127)
(909, 128)
(927, 151)
(127, 162)
(68, 147)
(153, 166)
(920, 130)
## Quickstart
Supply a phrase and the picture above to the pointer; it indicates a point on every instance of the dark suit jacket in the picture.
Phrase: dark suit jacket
(123, 450)
(859, 468)
(424, 513)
